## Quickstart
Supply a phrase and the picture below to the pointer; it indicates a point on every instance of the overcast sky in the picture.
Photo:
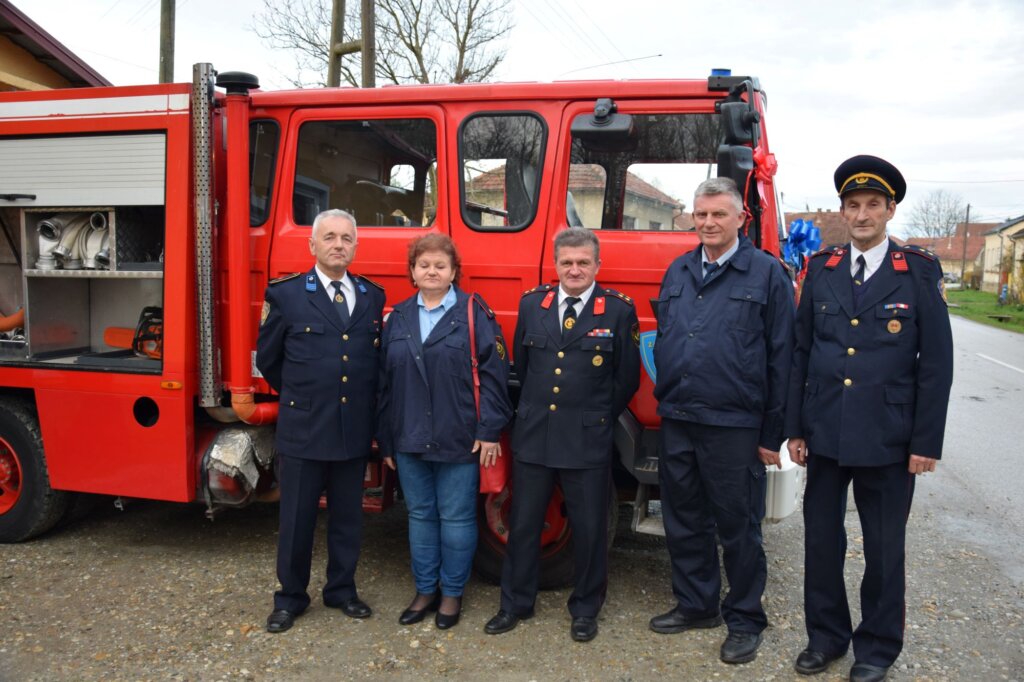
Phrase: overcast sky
(936, 87)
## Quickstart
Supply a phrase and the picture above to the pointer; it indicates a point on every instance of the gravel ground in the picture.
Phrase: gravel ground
(157, 592)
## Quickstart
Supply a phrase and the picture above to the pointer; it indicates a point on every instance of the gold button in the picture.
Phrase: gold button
(553, 407)
(307, 329)
(344, 337)
(854, 322)
(344, 380)
(291, 403)
(344, 358)
(561, 354)
(851, 351)
(558, 370)
(555, 389)
(847, 382)
(597, 347)
(344, 400)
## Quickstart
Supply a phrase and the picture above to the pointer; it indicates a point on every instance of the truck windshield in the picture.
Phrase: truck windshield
(648, 183)
(377, 170)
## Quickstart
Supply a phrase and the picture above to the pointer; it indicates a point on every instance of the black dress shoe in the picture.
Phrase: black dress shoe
(583, 628)
(412, 616)
(811, 662)
(443, 621)
(740, 647)
(863, 672)
(504, 621)
(353, 608)
(280, 620)
(675, 621)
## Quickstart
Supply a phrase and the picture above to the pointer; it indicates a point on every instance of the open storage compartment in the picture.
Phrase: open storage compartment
(93, 287)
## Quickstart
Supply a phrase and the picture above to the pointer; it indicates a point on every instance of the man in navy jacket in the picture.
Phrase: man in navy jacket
(723, 353)
(577, 359)
(319, 347)
(872, 369)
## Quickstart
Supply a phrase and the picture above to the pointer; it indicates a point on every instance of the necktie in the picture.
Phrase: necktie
(858, 277)
(569, 320)
(339, 303)
(709, 269)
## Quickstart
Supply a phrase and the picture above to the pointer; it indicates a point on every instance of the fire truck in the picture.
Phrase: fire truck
(141, 225)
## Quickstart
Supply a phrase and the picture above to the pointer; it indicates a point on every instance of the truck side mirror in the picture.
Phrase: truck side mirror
(738, 121)
(736, 162)
(605, 130)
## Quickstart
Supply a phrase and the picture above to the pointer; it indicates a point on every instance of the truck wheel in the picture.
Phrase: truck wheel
(556, 562)
(28, 505)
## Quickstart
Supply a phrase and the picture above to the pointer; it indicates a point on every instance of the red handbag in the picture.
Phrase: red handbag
(494, 477)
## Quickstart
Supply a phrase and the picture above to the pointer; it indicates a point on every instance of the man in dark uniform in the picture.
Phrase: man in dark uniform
(872, 368)
(723, 354)
(576, 355)
(318, 346)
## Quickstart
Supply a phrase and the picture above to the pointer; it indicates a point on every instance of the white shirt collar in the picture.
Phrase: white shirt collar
(721, 259)
(873, 257)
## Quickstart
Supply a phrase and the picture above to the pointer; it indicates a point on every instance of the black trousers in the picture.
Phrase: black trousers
(712, 478)
(883, 495)
(586, 494)
(302, 481)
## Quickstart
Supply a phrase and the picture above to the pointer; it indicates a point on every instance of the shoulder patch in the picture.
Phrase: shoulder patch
(619, 295)
(483, 306)
(920, 251)
(366, 279)
(285, 278)
(541, 289)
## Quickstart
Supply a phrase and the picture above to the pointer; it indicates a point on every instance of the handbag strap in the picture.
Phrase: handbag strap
(474, 363)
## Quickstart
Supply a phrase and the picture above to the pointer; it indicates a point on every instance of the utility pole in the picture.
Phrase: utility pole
(963, 258)
(167, 41)
(367, 45)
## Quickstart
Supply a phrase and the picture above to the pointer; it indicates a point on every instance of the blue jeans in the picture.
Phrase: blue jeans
(441, 499)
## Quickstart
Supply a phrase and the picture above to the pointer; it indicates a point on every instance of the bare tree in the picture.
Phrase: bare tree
(936, 215)
(418, 41)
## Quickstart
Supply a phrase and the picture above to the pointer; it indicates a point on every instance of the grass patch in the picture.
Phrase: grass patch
(980, 305)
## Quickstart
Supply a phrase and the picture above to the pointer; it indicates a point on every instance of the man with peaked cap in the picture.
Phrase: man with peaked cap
(578, 362)
(319, 347)
(872, 368)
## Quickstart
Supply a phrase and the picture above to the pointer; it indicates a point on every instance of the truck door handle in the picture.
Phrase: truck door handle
(15, 197)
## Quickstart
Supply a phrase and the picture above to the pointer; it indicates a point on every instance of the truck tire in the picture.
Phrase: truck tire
(556, 554)
(28, 505)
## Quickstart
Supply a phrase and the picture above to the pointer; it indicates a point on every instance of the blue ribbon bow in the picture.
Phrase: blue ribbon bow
(804, 239)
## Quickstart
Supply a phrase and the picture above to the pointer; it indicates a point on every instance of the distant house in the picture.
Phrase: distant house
(957, 253)
(645, 206)
(1003, 258)
(32, 59)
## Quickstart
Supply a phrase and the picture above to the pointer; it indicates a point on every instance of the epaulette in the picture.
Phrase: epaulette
(920, 251)
(541, 289)
(285, 278)
(619, 295)
(825, 251)
(369, 281)
(483, 306)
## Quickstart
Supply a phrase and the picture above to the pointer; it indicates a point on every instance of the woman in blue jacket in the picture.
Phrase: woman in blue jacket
(429, 425)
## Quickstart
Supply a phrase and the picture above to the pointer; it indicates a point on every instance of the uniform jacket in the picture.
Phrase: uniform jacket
(574, 387)
(326, 374)
(870, 384)
(724, 345)
(427, 405)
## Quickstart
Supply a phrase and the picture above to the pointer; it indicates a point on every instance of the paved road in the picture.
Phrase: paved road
(980, 482)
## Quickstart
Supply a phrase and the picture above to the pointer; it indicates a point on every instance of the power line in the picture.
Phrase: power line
(621, 61)
(544, 25)
(965, 182)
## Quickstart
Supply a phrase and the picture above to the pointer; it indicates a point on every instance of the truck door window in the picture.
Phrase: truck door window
(502, 156)
(646, 184)
(377, 170)
(263, 138)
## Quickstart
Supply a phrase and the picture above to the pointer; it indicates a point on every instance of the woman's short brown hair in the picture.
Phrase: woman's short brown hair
(435, 241)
